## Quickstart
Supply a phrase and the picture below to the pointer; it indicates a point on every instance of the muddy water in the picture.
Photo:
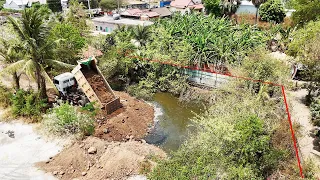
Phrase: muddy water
(172, 120)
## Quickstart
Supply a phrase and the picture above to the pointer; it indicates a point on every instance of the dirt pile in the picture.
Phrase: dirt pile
(98, 86)
(131, 121)
(111, 160)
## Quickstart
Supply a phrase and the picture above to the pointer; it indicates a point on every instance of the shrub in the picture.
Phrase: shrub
(272, 11)
(65, 120)
(5, 96)
(28, 104)
(315, 111)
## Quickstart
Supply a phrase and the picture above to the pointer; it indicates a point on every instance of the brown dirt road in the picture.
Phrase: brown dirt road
(301, 114)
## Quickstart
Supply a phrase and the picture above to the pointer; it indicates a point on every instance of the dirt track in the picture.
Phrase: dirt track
(133, 119)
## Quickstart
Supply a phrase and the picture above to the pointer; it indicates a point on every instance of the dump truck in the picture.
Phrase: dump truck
(86, 83)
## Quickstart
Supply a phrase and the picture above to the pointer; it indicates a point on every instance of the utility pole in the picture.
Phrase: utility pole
(118, 1)
(89, 8)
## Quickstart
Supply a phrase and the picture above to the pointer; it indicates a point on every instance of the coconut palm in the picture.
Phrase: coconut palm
(10, 54)
(257, 4)
(229, 7)
(141, 34)
(38, 48)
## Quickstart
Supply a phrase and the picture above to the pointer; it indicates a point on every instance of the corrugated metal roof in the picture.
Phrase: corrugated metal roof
(164, 12)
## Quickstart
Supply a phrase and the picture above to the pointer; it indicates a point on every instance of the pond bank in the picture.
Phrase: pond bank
(172, 121)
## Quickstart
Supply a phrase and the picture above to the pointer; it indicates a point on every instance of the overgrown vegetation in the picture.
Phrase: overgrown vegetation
(66, 120)
(28, 104)
(315, 111)
(5, 96)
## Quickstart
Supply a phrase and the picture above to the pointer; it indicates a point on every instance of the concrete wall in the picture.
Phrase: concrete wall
(104, 27)
(206, 78)
(251, 9)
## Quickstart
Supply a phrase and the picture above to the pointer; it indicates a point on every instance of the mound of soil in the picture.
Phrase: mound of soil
(131, 121)
(111, 160)
(98, 86)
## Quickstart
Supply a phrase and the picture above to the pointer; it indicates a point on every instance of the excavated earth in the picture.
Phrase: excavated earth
(97, 159)
(131, 121)
(98, 86)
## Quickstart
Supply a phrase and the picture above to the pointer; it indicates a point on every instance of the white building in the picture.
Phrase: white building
(20, 4)
(108, 24)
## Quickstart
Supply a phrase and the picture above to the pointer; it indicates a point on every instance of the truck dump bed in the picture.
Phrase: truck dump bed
(95, 86)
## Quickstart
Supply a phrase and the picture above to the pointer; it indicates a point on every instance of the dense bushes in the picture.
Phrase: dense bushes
(162, 78)
(5, 96)
(28, 104)
(315, 111)
(66, 120)
(272, 11)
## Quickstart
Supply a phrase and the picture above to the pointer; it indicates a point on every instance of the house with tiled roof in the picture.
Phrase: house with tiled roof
(186, 6)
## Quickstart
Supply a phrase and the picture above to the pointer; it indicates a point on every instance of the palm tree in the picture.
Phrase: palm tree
(141, 34)
(33, 33)
(229, 7)
(11, 54)
(257, 4)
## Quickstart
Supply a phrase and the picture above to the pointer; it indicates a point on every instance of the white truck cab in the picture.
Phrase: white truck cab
(63, 82)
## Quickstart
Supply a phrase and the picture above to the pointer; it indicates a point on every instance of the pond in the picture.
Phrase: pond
(172, 120)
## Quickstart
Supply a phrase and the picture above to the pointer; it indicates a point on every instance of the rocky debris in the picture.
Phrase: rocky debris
(143, 141)
(84, 173)
(92, 150)
(81, 145)
(55, 173)
(10, 133)
(105, 131)
(61, 173)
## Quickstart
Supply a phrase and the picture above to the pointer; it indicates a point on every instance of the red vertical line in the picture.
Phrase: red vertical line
(292, 131)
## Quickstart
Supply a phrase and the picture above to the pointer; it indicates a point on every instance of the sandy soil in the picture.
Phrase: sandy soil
(21, 148)
(111, 160)
(132, 120)
(301, 114)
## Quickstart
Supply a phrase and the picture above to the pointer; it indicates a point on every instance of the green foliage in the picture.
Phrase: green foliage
(1, 4)
(315, 111)
(70, 42)
(306, 47)
(213, 40)
(66, 120)
(28, 104)
(302, 37)
(259, 65)
(272, 11)
(213, 7)
(110, 5)
(78, 17)
(158, 78)
(5, 96)
(89, 108)
(306, 11)
(54, 5)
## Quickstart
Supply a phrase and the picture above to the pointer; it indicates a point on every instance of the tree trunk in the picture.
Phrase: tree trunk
(256, 20)
(41, 83)
(16, 80)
